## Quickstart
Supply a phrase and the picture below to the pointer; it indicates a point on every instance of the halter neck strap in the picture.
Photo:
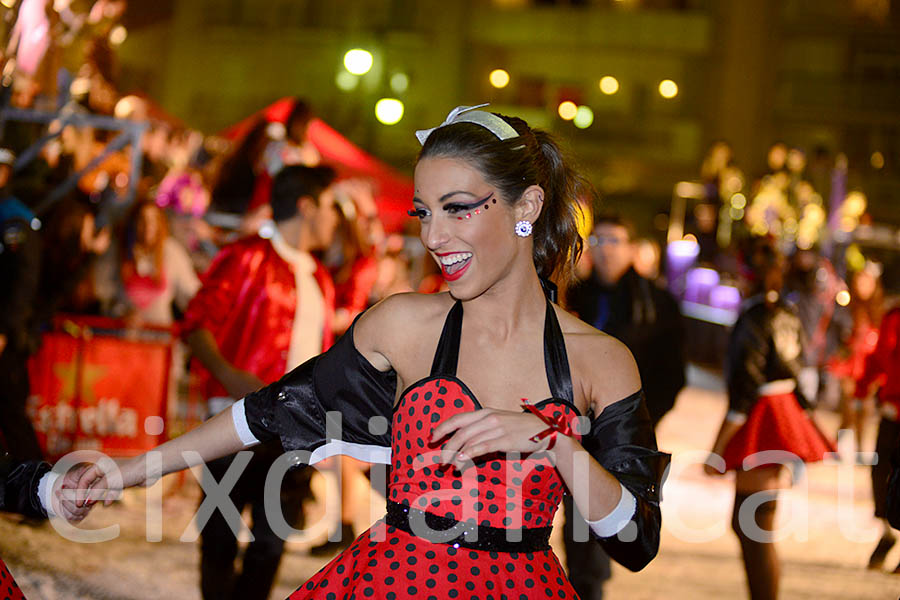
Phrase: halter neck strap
(556, 361)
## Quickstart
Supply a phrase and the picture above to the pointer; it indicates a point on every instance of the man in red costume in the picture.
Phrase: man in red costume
(884, 365)
(265, 307)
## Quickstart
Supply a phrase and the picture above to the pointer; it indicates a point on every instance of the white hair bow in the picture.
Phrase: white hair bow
(471, 114)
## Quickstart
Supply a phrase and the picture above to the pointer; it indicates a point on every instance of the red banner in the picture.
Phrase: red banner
(96, 389)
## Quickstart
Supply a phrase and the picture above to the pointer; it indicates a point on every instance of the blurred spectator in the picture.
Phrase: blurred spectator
(883, 366)
(245, 176)
(721, 178)
(265, 307)
(289, 143)
(155, 270)
(393, 269)
(811, 287)
(618, 301)
(236, 177)
(19, 272)
(647, 258)
(351, 256)
(74, 242)
(866, 307)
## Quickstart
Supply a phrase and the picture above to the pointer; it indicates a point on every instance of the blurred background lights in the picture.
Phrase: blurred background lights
(738, 201)
(124, 107)
(609, 85)
(8, 3)
(567, 110)
(388, 111)
(80, 86)
(499, 78)
(584, 116)
(346, 81)
(854, 204)
(358, 61)
(842, 298)
(668, 88)
(877, 160)
(399, 82)
(118, 35)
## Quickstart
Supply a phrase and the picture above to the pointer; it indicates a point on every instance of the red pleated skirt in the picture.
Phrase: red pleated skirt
(777, 422)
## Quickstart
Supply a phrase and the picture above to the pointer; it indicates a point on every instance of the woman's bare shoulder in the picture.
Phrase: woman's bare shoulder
(397, 325)
(602, 366)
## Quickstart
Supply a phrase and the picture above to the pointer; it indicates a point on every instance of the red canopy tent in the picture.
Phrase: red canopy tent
(393, 190)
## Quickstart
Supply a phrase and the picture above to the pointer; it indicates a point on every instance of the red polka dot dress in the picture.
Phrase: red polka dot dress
(9, 589)
(480, 533)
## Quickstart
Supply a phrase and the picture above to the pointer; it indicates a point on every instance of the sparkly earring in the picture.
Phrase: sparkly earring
(523, 228)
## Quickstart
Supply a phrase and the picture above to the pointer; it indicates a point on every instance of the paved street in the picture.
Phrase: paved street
(823, 555)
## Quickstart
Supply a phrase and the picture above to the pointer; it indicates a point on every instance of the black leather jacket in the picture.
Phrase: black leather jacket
(766, 345)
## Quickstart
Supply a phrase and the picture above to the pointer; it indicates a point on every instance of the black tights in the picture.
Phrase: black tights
(760, 559)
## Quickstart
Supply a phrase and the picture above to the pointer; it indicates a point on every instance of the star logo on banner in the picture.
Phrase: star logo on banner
(90, 374)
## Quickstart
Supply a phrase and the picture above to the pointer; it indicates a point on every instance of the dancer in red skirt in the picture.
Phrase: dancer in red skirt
(485, 420)
(766, 413)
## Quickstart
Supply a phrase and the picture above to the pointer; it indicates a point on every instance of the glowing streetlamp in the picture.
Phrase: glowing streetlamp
(499, 78)
(609, 85)
(388, 111)
(668, 88)
(358, 61)
(584, 116)
(567, 110)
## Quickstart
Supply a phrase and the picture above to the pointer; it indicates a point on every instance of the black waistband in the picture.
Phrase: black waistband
(443, 530)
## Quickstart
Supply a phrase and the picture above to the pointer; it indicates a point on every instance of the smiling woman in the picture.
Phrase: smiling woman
(477, 470)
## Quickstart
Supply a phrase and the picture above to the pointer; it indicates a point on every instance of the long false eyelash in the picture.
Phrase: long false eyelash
(416, 212)
(457, 207)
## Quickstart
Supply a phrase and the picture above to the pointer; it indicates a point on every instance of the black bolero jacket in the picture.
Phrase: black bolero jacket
(340, 387)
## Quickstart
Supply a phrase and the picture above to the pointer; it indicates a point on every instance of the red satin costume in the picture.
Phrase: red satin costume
(248, 302)
(883, 365)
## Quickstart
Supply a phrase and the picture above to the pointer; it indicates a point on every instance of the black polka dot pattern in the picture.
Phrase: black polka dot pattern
(386, 562)
(9, 589)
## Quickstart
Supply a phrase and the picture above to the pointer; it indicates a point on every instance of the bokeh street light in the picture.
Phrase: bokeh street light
(668, 88)
(499, 78)
(358, 61)
(399, 82)
(567, 110)
(609, 85)
(346, 81)
(584, 116)
(389, 111)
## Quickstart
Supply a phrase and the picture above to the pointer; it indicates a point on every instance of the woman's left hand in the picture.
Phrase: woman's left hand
(479, 432)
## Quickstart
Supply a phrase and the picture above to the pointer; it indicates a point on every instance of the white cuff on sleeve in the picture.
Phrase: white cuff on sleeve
(620, 516)
(239, 416)
(45, 492)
